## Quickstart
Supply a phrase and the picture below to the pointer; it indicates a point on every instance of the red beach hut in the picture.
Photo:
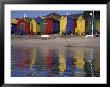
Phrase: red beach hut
(23, 26)
(48, 25)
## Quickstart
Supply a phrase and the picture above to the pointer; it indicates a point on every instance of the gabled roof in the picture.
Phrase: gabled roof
(17, 19)
(33, 19)
(75, 16)
(27, 19)
(13, 21)
(96, 14)
(57, 16)
(39, 19)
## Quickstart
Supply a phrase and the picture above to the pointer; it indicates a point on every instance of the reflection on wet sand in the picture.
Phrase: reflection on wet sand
(79, 62)
(25, 59)
(62, 62)
(55, 62)
(34, 57)
(69, 62)
(48, 60)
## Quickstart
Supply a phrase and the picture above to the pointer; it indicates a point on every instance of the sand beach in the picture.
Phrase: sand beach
(54, 40)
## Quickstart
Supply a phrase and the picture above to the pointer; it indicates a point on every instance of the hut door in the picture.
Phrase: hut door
(21, 27)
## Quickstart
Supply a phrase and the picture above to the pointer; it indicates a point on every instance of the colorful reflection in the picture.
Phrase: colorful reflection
(33, 57)
(96, 64)
(91, 62)
(48, 60)
(79, 62)
(69, 62)
(25, 59)
(62, 62)
(55, 62)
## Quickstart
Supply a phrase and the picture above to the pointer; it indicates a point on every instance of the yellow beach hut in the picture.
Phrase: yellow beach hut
(34, 27)
(63, 22)
(80, 29)
(98, 26)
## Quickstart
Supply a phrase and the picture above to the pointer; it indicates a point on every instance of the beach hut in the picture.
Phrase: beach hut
(80, 29)
(49, 23)
(34, 26)
(28, 20)
(63, 22)
(43, 25)
(39, 20)
(91, 22)
(92, 19)
(97, 17)
(56, 26)
(70, 25)
(55, 22)
(13, 25)
(98, 26)
(23, 25)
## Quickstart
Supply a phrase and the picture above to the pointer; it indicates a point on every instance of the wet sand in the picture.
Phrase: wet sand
(55, 41)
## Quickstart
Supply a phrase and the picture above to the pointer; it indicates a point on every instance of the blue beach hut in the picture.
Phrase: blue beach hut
(70, 25)
(56, 26)
(13, 25)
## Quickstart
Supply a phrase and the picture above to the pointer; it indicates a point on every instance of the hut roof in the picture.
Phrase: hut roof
(27, 19)
(86, 14)
(38, 19)
(43, 17)
(55, 15)
(33, 19)
(13, 21)
(52, 18)
(17, 19)
(75, 16)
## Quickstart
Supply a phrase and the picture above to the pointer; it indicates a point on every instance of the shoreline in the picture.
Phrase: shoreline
(55, 41)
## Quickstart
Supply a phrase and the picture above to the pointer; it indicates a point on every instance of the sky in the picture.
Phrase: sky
(34, 14)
